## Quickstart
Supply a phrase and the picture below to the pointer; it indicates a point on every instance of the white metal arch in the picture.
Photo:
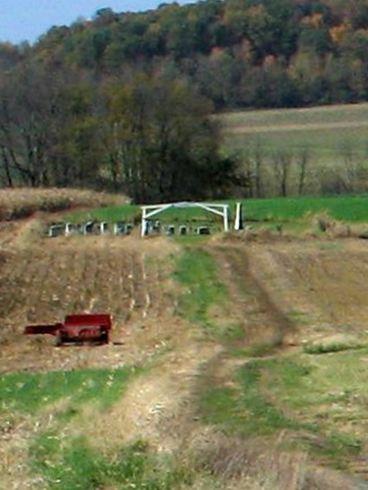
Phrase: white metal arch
(148, 211)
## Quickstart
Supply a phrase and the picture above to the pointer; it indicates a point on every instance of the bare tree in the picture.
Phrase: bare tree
(5, 164)
(302, 162)
(258, 164)
(48, 128)
(350, 165)
(247, 172)
(26, 125)
(282, 161)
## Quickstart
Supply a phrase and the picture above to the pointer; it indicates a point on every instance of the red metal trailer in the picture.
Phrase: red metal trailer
(77, 329)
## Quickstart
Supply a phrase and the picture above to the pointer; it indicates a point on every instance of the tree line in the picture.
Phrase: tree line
(149, 137)
(288, 171)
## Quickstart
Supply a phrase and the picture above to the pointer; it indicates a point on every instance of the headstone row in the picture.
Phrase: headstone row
(122, 228)
(155, 227)
(90, 228)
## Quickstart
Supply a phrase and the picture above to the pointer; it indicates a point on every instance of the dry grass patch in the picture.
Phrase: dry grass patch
(22, 202)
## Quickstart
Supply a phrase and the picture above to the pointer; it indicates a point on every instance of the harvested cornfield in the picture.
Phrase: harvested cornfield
(42, 285)
(23, 202)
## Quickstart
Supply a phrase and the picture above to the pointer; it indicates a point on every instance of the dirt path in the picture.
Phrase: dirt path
(262, 320)
(159, 407)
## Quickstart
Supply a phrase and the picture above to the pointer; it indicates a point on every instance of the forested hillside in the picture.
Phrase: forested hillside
(239, 53)
(124, 99)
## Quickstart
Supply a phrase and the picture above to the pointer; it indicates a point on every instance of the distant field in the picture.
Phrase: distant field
(326, 131)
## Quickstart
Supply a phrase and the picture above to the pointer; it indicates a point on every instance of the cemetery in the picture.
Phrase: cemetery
(215, 217)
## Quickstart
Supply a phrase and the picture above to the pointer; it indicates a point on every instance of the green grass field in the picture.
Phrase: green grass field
(276, 210)
(344, 208)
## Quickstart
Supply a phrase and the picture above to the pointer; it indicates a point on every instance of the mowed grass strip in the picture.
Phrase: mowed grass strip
(243, 409)
(205, 298)
(196, 270)
(325, 145)
(281, 117)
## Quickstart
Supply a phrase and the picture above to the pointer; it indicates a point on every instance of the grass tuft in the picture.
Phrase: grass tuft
(325, 349)
(75, 465)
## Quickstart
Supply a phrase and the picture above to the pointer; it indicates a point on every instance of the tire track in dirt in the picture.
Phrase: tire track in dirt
(161, 407)
(262, 320)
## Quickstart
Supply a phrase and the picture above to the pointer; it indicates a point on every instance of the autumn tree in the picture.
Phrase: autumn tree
(161, 142)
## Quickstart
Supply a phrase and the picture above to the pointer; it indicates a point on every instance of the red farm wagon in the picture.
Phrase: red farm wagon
(77, 329)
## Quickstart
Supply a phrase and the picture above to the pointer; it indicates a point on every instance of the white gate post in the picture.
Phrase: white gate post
(226, 219)
(143, 230)
(238, 217)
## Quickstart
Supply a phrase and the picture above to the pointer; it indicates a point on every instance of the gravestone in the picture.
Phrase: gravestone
(103, 228)
(203, 230)
(119, 228)
(70, 229)
(56, 230)
(88, 228)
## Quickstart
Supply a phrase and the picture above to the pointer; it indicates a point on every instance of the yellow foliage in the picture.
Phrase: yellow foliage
(315, 20)
(337, 33)
(269, 60)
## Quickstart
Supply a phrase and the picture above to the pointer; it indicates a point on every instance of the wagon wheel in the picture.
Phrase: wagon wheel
(59, 339)
(104, 337)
